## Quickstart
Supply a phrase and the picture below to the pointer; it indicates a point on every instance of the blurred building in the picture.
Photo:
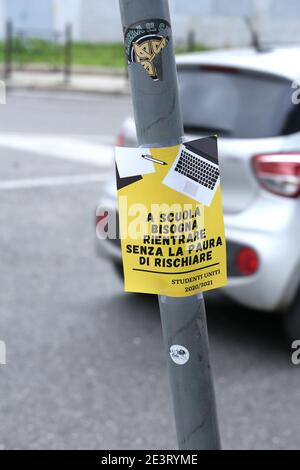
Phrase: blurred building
(216, 23)
(41, 17)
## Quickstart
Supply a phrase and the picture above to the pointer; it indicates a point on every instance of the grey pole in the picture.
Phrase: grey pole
(159, 124)
(68, 53)
(8, 50)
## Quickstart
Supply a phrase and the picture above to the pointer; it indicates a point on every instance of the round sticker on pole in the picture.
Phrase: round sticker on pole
(144, 42)
(179, 354)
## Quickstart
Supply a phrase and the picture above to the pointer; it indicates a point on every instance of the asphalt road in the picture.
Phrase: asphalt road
(85, 365)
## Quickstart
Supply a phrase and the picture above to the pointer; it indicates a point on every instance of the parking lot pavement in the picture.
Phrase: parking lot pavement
(85, 365)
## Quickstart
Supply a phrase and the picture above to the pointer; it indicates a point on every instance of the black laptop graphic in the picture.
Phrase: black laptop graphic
(195, 171)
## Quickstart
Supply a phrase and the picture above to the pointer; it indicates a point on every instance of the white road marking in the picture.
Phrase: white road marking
(51, 181)
(65, 148)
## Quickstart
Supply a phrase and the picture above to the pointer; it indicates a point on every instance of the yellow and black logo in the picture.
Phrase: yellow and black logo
(144, 42)
(147, 51)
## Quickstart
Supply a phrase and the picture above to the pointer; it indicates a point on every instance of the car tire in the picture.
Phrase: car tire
(118, 265)
(291, 319)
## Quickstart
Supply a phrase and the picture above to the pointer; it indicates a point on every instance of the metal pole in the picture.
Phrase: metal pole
(159, 124)
(191, 40)
(68, 53)
(8, 52)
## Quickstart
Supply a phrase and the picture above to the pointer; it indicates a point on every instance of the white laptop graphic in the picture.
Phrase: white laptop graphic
(194, 173)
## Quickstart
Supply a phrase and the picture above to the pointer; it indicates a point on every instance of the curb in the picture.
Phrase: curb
(75, 70)
(69, 89)
(35, 84)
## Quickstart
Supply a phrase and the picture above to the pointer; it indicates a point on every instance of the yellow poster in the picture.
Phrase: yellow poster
(171, 220)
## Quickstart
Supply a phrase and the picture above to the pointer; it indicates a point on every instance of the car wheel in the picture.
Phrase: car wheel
(291, 319)
(118, 265)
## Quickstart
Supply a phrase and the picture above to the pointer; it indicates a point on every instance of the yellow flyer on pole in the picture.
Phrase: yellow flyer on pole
(171, 220)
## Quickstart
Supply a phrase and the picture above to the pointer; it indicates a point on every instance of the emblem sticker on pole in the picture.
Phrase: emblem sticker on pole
(144, 42)
(171, 220)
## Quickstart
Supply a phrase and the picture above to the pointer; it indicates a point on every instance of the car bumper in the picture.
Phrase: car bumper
(271, 230)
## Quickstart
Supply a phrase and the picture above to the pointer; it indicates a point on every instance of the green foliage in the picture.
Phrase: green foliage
(39, 51)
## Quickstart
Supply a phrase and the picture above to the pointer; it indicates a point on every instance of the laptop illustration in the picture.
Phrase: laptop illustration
(195, 173)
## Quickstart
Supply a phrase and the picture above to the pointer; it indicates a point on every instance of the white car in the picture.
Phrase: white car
(245, 97)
